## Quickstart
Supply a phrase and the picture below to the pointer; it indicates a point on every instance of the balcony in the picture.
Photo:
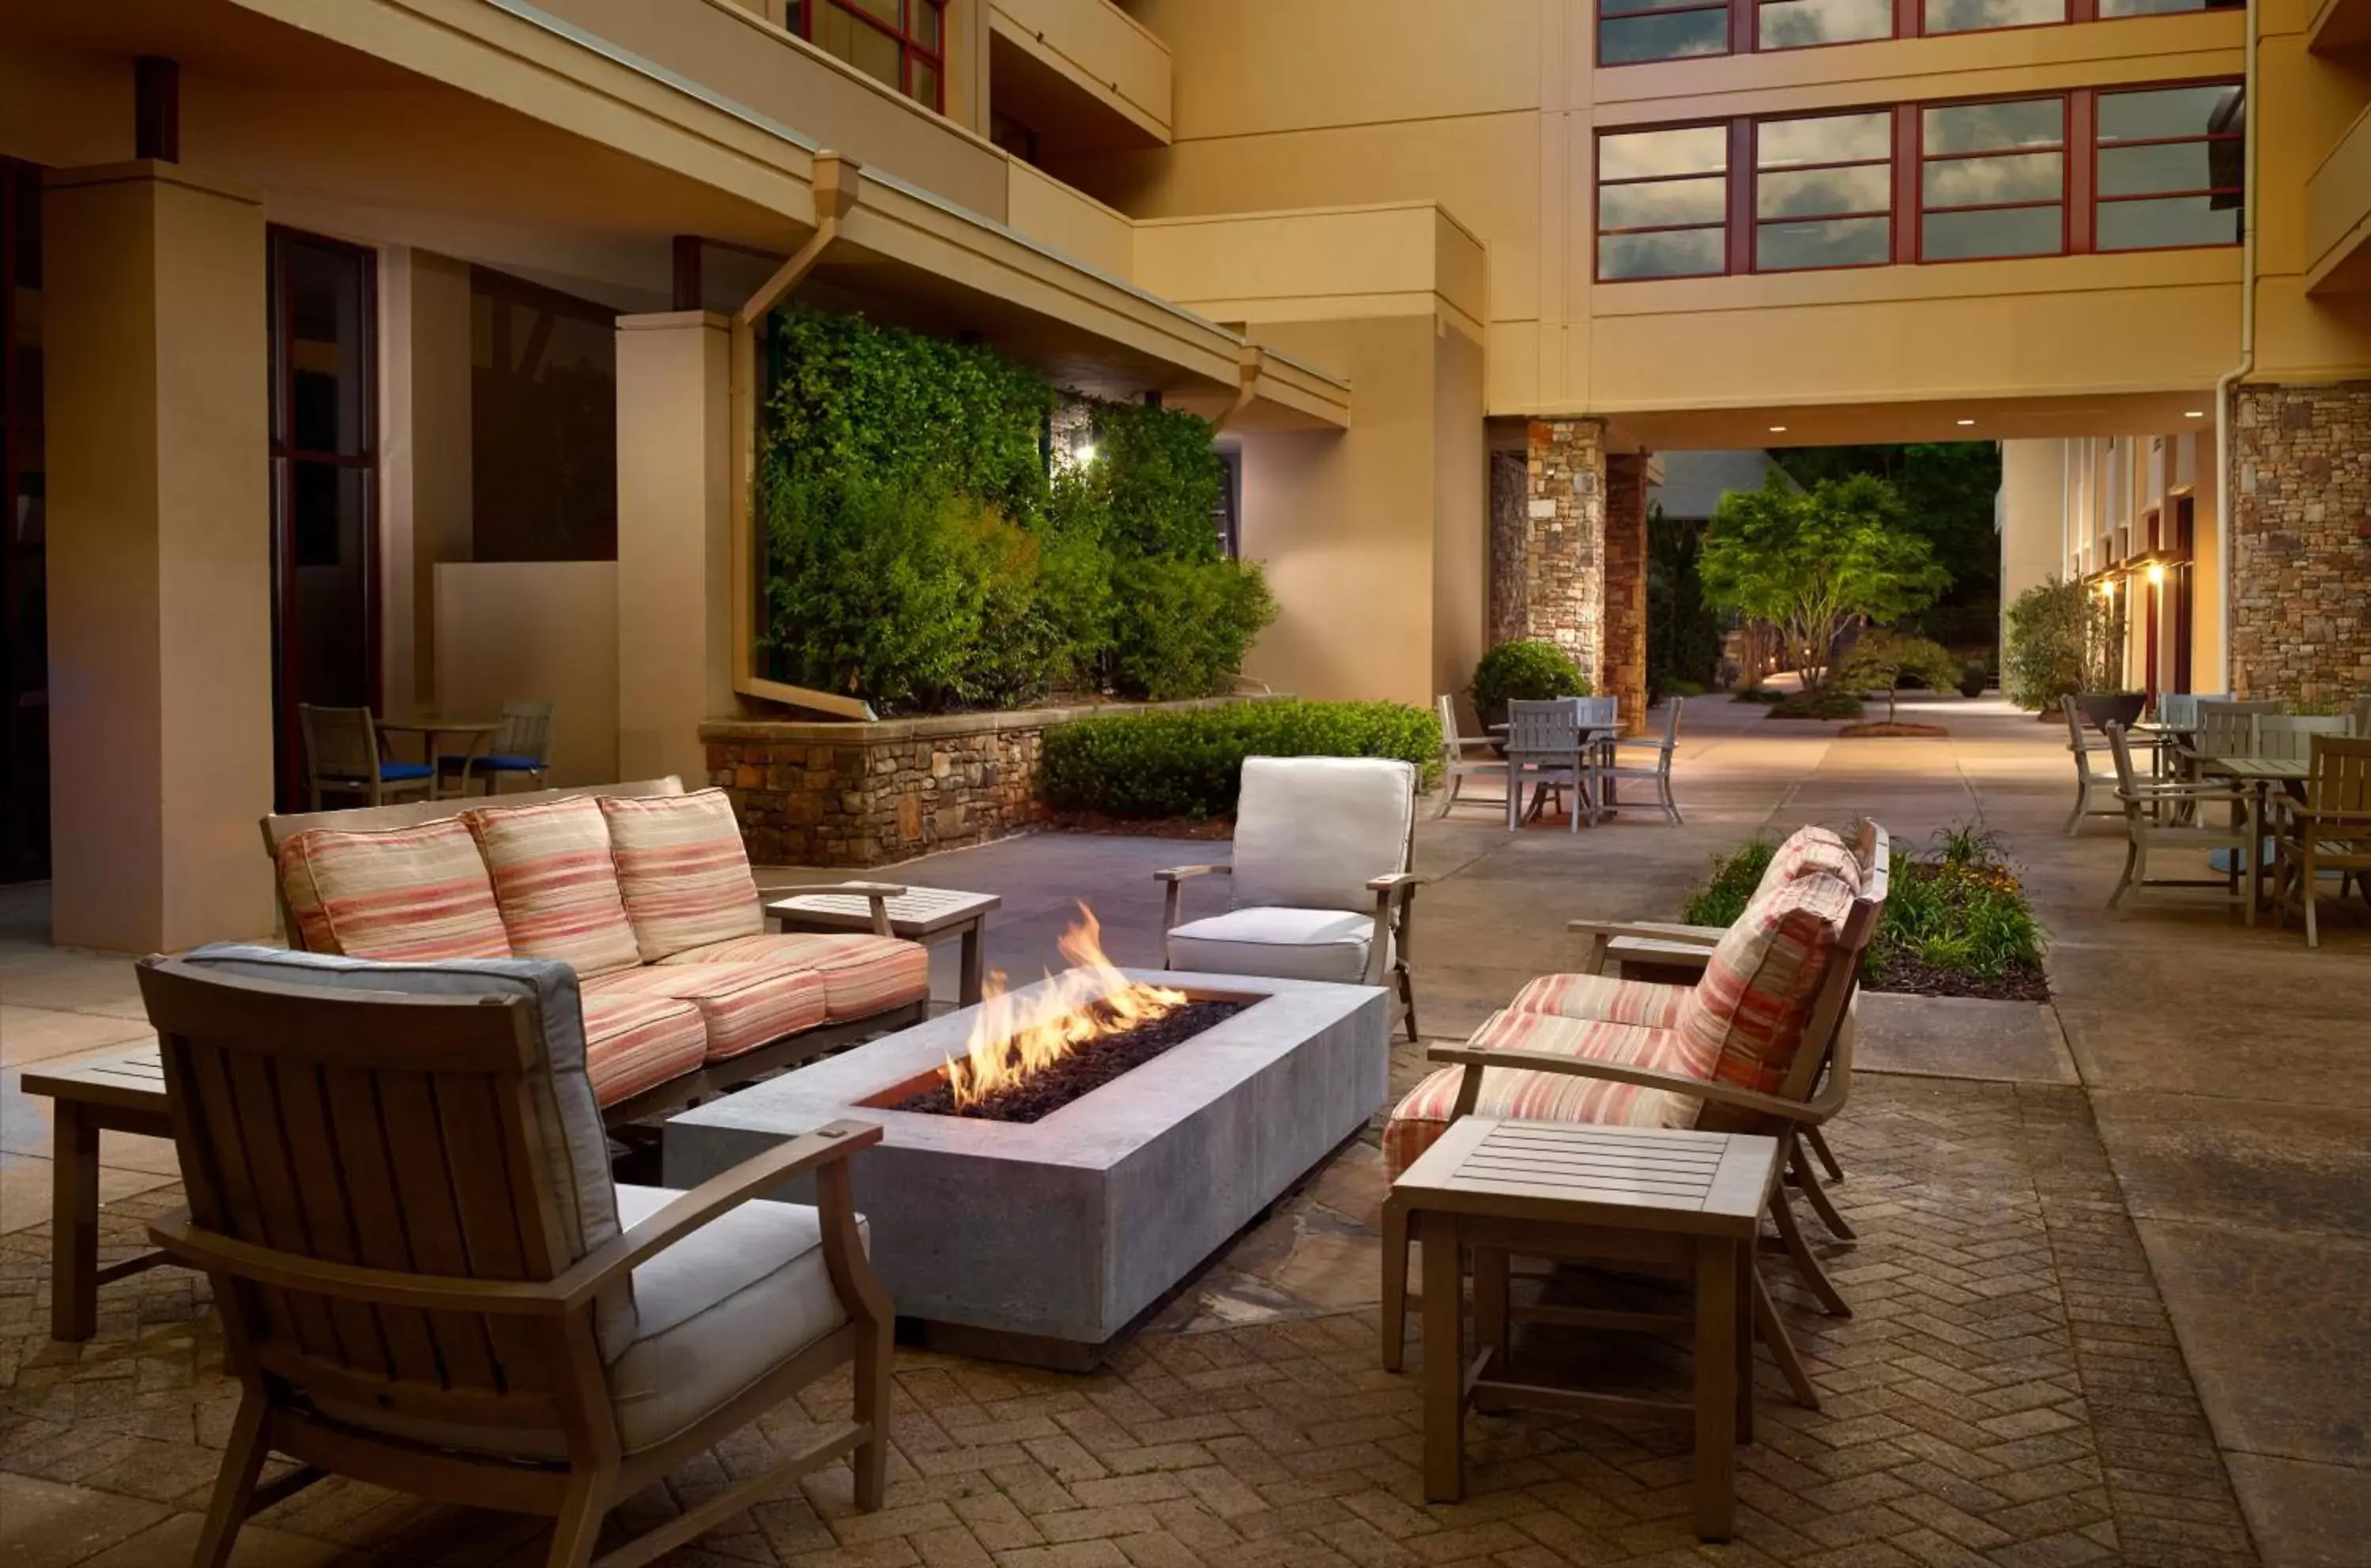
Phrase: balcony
(2338, 215)
(1075, 74)
(2334, 27)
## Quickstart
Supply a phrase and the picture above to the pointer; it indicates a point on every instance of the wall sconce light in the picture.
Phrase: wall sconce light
(2155, 574)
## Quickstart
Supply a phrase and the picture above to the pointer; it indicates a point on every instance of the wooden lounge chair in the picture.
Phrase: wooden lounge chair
(428, 1283)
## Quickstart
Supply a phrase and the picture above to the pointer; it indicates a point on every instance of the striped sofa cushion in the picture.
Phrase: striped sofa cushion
(634, 1043)
(554, 883)
(1605, 996)
(1548, 1097)
(742, 1006)
(1744, 1020)
(402, 895)
(862, 975)
(682, 869)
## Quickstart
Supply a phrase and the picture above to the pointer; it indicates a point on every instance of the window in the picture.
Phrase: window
(2093, 169)
(2163, 8)
(1824, 191)
(1662, 203)
(2169, 168)
(1981, 16)
(902, 42)
(1631, 30)
(543, 422)
(1992, 179)
(1792, 24)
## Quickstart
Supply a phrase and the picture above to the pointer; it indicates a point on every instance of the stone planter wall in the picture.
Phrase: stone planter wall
(856, 794)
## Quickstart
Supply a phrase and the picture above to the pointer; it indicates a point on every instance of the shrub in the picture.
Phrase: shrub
(1720, 901)
(2062, 640)
(1181, 628)
(1189, 762)
(1883, 660)
(1524, 670)
(1829, 703)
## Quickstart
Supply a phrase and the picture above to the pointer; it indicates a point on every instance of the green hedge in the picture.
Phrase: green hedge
(1189, 762)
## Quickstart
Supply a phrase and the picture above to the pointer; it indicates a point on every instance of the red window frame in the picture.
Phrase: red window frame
(1891, 163)
(1745, 31)
(1726, 174)
(2079, 203)
(2207, 137)
(910, 47)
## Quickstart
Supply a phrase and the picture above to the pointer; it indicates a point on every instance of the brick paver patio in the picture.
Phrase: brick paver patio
(2010, 1391)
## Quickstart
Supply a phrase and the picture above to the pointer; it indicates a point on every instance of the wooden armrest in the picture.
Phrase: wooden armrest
(1396, 881)
(1660, 931)
(726, 1190)
(2300, 814)
(1810, 1112)
(1668, 952)
(546, 1298)
(1179, 873)
(879, 892)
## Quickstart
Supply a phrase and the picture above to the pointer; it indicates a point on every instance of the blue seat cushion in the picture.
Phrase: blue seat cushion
(494, 761)
(393, 772)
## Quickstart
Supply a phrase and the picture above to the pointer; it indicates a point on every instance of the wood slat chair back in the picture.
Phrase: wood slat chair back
(346, 1129)
(525, 731)
(2338, 777)
(2228, 729)
(2289, 737)
(1551, 727)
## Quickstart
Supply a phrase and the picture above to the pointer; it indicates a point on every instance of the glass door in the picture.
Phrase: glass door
(24, 622)
(324, 486)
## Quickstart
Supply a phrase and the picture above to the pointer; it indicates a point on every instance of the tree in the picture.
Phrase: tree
(1812, 563)
(1881, 658)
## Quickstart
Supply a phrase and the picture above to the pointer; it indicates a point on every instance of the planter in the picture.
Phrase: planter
(2105, 708)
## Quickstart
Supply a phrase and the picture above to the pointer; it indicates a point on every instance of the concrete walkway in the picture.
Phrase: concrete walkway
(2010, 1393)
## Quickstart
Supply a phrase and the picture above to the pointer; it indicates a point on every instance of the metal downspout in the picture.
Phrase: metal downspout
(2227, 507)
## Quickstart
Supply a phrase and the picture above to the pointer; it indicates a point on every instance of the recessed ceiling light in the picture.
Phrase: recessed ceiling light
(1777, 430)
(1967, 422)
(2195, 414)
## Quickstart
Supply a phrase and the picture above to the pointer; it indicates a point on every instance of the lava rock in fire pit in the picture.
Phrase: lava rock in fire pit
(1053, 1086)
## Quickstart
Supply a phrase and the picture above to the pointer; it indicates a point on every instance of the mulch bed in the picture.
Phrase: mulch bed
(1081, 1072)
(1907, 973)
(1859, 731)
(1141, 827)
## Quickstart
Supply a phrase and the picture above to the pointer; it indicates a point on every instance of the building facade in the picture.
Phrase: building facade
(398, 352)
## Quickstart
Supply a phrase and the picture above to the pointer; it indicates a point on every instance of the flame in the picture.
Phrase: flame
(1015, 1036)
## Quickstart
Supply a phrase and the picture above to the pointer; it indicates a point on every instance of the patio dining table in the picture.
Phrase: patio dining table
(1592, 737)
(432, 728)
(2257, 775)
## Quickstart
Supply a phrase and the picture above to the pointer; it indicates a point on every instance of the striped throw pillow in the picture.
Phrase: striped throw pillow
(1812, 851)
(554, 883)
(403, 895)
(682, 868)
(1744, 1020)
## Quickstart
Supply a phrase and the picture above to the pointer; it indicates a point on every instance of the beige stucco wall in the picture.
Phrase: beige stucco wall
(424, 459)
(542, 631)
(159, 558)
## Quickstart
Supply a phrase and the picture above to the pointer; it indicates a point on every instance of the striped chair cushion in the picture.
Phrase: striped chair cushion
(404, 894)
(634, 1043)
(1602, 996)
(1808, 851)
(1744, 1020)
(1548, 1097)
(862, 975)
(555, 884)
(742, 1006)
(682, 869)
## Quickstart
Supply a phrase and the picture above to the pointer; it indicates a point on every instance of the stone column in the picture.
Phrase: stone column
(1564, 538)
(159, 565)
(2301, 544)
(675, 540)
(1622, 650)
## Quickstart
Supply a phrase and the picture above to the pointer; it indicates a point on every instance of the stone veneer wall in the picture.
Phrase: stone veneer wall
(1510, 514)
(1622, 651)
(859, 794)
(2301, 545)
(1563, 537)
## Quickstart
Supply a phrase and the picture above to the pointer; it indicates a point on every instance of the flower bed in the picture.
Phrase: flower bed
(1956, 922)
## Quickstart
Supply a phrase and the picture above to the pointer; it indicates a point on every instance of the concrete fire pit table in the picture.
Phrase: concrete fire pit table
(1045, 1241)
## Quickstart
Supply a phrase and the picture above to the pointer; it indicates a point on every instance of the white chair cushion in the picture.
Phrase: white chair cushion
(1286, 944)
(718, 1310)
(1310, 832)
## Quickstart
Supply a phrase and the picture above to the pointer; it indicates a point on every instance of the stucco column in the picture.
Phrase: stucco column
(674, 574)
(2301, 544)
(1564, 538)
(1622, 650)
(159, 563)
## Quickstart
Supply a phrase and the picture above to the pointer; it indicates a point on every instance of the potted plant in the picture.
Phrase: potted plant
(1524, 670)
(1973, 676)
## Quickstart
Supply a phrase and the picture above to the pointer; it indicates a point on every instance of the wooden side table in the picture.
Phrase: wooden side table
(1681, 1199)
(121, 1092)
(925, 914)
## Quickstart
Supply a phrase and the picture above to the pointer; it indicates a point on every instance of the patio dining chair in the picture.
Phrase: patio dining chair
(1456, 764)
(1322, 874)
(2329, 830)
(2082, 742)
(1655, 765)
(2151, 824)
(343, 755)
(2227, 728)
(1547, 746)
(520, 749)
(2289, 737)
(399, 1188)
